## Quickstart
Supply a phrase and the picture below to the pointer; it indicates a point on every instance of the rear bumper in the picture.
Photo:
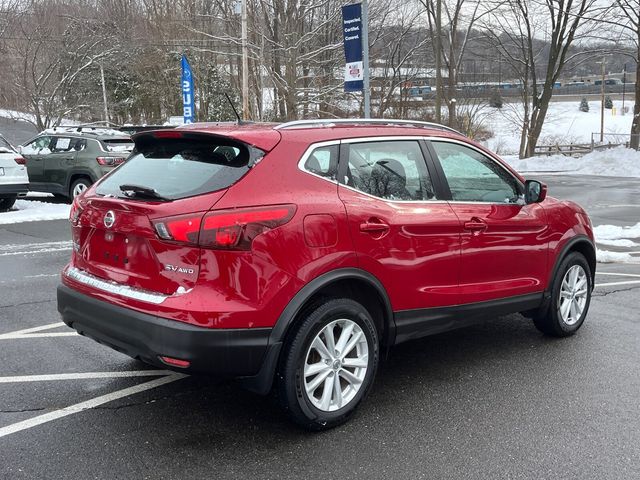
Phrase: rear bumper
(13, 189)
(225, 353)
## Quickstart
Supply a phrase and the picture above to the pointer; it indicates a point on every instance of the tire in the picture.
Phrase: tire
(7, 203)
(310, 410)
(558, 320)
(78, 187)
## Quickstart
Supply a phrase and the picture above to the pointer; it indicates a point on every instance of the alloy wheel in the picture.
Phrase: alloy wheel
(336, 365)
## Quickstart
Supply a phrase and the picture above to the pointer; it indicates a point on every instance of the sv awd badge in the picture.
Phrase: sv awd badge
(176, 269)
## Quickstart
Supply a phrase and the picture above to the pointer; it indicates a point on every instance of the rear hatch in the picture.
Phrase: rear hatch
(12, 165)
(139, 226)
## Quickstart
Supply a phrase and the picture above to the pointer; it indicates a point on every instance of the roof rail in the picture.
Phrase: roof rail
(362, 121)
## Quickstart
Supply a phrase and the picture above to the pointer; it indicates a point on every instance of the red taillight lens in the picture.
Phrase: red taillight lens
(225, 229)
(175, 362)
(183, 228)
(110, 161)
(236, 229)
(20, 160)
(167, 134)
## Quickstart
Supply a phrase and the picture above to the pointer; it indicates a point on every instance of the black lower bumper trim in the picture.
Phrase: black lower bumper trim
(220, 352)
(13, 190)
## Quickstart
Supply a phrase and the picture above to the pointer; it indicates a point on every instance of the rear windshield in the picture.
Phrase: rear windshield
(118, 145)
(182, 168)
(5, 147)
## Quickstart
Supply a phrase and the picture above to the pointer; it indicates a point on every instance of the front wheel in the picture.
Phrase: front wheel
(570, 298)
(329, 365)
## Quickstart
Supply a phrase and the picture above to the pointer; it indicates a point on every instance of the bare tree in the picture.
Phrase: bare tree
(630, 11)
(450, 41)
(516, 28)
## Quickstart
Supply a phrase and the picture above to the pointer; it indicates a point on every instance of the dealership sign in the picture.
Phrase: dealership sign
(187, 91)
(352, 29)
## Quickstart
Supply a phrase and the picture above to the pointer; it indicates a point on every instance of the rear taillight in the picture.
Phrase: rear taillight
(20, 160)
(110, 161)
(232, 229)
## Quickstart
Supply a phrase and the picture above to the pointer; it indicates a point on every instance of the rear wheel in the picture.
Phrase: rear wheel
(7, 203)
(329, 365)
(570, 298)
(79, 186)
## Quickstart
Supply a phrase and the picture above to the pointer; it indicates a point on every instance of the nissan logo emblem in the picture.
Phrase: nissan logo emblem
(109, 219)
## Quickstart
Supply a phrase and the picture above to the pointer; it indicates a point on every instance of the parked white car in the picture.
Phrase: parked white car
(14, 179)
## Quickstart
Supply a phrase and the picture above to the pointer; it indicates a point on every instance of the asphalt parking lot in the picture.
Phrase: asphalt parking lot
(497, 400)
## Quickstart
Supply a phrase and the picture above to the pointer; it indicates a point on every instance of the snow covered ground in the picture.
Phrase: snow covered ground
(33, 211)
(564, 124)
(615, 162)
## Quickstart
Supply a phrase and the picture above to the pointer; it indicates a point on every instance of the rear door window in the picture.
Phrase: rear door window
(61, 144)
(392, 170)
(180, 168)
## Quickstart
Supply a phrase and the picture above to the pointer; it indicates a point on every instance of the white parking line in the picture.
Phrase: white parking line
(27, 331)
(88, 404)
(618, 274)
(613, 284)
(84, 376)
(28, 248)
(39, 335)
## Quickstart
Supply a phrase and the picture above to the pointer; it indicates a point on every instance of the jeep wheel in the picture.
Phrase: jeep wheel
(570, 298)
(79, 186)
(329, 365)
(7, 203)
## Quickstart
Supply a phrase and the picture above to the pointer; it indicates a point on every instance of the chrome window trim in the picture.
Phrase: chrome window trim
(307, 153)
(113, 287)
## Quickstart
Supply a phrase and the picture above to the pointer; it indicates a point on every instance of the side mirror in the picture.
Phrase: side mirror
(534, 191)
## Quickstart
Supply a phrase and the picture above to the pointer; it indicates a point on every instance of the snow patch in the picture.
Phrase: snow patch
(615, 162)
(614, 232)
(606, 256)
(33, 211)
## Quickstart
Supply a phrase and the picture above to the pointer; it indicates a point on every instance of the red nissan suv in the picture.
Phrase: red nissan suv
(291, 255)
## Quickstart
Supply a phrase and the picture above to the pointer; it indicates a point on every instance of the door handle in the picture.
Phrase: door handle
(475, 225)
(374, 225)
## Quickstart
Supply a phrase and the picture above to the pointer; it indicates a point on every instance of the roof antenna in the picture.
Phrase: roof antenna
(240, 122)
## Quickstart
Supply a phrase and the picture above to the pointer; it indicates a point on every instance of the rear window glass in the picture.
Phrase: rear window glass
(182, 168)
(5, 147)
(118, 145)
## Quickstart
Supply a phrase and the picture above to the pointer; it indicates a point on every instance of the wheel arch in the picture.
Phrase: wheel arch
(583, 245)
(347, 282)
(75, 174)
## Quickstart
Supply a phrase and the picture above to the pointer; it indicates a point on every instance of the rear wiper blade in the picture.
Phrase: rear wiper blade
(141, 191)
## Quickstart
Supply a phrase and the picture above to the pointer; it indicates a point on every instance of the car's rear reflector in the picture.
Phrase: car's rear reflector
(175, 362)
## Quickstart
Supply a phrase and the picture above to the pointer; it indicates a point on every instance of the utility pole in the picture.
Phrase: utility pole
(104, 96)
(365, 59)
(602, 105)
(438, 61)
(245, 64)
(624, 85)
